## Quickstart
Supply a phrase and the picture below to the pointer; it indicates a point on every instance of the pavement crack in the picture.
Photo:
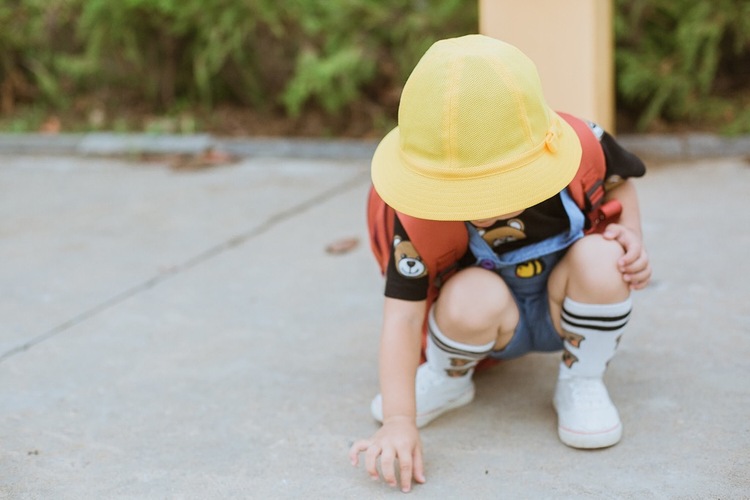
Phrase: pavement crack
(206, 255)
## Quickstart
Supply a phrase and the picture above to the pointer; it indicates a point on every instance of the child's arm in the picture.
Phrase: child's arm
(634, 265)
(398, 438)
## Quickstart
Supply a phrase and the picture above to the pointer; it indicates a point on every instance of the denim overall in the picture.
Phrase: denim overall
(526, 271)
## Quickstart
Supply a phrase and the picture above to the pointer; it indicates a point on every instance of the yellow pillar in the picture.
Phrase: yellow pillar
(571, 42)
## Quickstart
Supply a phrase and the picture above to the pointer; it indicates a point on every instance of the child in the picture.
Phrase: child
(476, 143)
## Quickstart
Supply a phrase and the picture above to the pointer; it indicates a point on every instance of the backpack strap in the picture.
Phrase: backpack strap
(587, 187)
(439, 244)
(380, 225)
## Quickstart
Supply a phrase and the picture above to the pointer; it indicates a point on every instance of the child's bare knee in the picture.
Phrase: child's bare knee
(592, 269)
(473, 300)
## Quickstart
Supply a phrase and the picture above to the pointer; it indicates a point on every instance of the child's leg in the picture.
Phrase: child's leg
(590, 306)
(475, 314)
(477, 308)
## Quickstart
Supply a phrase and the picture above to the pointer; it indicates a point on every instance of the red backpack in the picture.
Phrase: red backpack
(440, 244)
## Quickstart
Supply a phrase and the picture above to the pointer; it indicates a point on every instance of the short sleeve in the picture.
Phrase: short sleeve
(621, 163)
(406, 274)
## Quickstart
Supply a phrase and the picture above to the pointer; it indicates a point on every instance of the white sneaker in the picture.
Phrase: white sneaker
(586, 416)
(436, 394)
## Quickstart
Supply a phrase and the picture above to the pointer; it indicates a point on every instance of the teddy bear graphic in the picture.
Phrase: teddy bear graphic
(408, 261)
(460, 367)
(512, 231)
(574, 339)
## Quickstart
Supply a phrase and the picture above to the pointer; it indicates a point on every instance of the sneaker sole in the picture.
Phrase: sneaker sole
(590, 440)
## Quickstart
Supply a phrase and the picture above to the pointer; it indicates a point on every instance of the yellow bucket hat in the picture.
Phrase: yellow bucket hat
(475, 138)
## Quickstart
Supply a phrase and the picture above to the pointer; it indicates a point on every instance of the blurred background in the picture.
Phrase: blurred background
(327, 68)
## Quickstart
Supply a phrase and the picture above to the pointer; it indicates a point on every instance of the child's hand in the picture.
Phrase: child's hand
(634, 265)
(397, 440)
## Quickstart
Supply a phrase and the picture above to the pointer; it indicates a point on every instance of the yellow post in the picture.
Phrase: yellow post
(571, 42)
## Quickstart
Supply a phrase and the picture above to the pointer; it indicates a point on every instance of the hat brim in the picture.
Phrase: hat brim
(493, 195)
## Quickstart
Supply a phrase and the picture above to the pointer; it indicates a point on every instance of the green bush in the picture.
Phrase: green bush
(28, 28)
(349, 46)
(164, 55)
(684, 61)
(173, 50)
(679, 62)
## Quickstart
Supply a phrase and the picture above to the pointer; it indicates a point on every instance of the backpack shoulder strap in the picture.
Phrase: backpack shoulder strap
(587, 187)
(439, 244)
(380, 226)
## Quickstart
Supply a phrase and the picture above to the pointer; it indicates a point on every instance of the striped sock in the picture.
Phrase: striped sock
(592, 333)
(456, 359)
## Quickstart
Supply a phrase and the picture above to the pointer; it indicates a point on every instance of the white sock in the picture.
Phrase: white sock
(455, 359)
(592, 333)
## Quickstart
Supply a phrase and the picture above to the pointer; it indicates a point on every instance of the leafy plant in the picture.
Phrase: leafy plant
(339, 60)
(669, 53)
(330, 61)
(27, 65)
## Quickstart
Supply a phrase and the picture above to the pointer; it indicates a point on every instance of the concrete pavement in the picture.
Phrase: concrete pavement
(185, 335)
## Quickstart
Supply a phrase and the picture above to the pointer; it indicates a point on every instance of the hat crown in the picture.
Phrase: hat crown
(472, 104)
(475, 137)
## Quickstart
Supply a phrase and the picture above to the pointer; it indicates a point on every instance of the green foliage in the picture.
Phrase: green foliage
(28, 28)
(678, 61)
(155, 55)
(172, 48)
(333, 78)
(345, 45)
(674, 58)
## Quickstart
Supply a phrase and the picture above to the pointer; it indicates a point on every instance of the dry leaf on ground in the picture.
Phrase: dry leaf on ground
(342, 246)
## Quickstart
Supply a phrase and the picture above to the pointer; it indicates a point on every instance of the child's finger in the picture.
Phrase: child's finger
(613, 232)
(634, 265)
(630, 258)
(640, 279)
(618, 233)
(419, 466)
(405, 466)
(388, 466)
(357, 448)
(371, 460)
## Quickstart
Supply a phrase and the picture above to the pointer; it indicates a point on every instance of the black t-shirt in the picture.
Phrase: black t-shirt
(406, 275)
